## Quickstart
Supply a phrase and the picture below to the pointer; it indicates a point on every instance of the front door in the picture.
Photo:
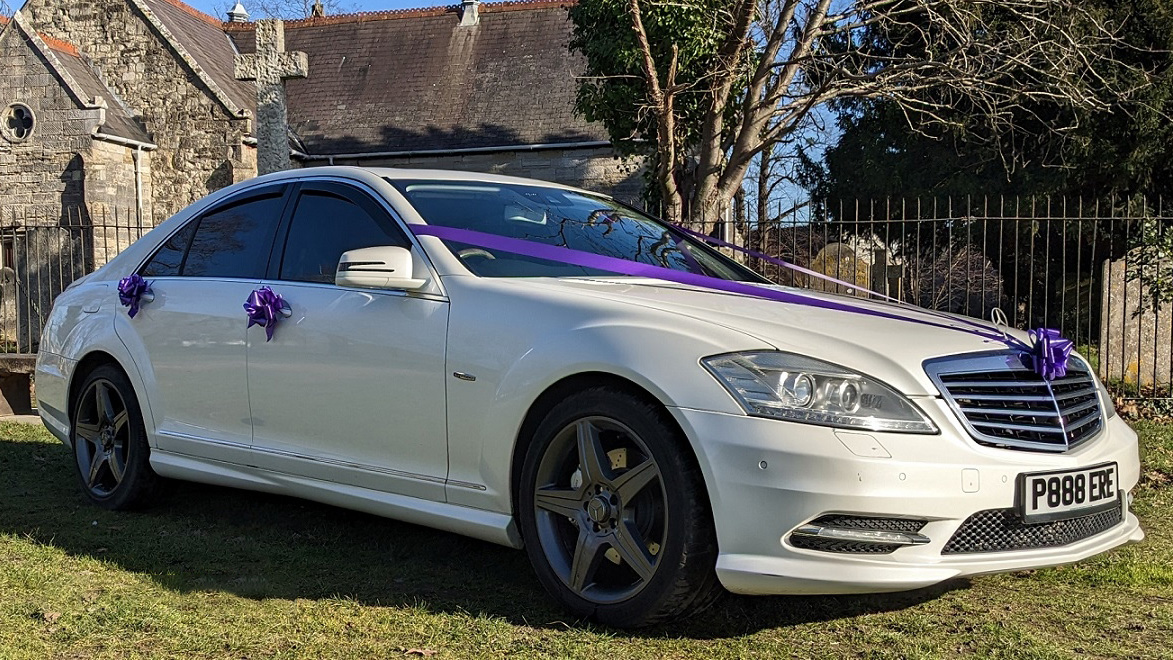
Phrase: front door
(350, 389)
(193, 331)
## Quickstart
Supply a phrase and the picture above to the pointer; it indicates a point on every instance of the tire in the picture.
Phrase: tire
(624, 538)
(110, 442)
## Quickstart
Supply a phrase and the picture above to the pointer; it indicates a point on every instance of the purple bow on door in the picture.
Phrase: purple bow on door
(1049, 353)
(263, 308)
(130, 292)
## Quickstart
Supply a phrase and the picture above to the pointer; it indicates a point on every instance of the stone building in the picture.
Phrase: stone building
(114, 114)
(133, 104)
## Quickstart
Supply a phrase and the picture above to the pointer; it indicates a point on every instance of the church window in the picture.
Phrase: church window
(17, 123)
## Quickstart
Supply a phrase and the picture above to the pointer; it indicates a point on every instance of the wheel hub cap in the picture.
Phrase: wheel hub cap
(599, 509)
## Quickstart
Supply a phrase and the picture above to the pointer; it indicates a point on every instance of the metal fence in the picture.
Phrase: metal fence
(1092, 269)
(38, 260)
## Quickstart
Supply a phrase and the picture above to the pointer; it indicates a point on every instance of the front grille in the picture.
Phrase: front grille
(1003, 402)
(1002, 530)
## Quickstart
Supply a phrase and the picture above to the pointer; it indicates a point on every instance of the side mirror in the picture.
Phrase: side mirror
(382, 267)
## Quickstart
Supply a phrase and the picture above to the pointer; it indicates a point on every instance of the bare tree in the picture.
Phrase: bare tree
(779, 62)
(287, 9)
(5, 8)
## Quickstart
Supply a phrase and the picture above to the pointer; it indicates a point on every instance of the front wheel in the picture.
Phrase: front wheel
(109, 442)
(614, 513)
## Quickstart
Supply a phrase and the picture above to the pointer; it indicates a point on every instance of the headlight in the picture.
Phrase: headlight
(788, 386)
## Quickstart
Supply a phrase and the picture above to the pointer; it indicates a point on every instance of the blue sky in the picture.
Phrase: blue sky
(217, 7)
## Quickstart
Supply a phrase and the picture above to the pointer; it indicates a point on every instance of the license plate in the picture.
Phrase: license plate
(1048, 496)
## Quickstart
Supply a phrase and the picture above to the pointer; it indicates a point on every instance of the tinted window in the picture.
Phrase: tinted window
(169, 258)
(324, 226)
(235, 241)
(559, 217)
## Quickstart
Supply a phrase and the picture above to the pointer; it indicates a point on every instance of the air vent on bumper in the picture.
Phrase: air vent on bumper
(858, 534)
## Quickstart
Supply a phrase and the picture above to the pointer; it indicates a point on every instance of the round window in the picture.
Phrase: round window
(17, 122)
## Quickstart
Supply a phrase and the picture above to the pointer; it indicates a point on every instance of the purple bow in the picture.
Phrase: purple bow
(1049, 353)
(263, 306)
(131, 290)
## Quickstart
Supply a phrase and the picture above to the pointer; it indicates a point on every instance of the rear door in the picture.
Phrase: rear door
(351, 387)
(193, 332)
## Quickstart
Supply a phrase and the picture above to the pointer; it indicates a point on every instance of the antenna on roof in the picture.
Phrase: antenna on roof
(237, 14)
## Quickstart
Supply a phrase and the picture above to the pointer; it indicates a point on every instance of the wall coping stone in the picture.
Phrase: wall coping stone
(42, 46)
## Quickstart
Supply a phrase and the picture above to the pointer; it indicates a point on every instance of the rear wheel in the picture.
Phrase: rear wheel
(614, 512)
(109, 441)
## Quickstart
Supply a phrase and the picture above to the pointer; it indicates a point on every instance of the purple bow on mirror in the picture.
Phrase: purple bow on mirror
(131, 290)
(1049, 353)
(263, 307)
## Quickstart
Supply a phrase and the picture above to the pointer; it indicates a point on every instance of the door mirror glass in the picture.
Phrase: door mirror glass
(381, 267)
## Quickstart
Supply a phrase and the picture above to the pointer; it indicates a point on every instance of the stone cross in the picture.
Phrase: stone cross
(270, 66)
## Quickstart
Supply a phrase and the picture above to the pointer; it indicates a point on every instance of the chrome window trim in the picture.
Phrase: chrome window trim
(227, 200)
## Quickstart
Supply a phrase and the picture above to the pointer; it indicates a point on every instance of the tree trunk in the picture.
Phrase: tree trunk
(764, 164)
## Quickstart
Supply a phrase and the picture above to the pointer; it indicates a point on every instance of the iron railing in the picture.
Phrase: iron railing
(1092, 269)
(39, 260)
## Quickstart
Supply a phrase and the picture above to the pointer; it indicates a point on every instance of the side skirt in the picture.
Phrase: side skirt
(496, 528)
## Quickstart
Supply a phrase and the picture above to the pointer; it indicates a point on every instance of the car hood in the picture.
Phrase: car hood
(889, 349)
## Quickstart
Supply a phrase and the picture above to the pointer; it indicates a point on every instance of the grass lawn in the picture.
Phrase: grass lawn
(219, 573)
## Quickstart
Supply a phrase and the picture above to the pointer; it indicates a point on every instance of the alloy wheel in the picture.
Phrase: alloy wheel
(601, 509)
(102, 439)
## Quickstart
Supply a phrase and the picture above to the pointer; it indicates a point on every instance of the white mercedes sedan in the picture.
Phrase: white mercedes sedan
(542, 367)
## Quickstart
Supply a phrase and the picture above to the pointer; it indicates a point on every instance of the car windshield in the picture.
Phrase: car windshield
(564, 218)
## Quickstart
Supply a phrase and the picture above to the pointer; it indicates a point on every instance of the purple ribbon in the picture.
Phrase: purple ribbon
(1049, 353)
(130, 292)
(619, 266)
(783, 263)
(263, 307)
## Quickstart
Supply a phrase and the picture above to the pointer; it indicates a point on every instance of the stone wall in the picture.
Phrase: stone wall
(113, 198)
(42, 175)
(195, 134)
(595, 168)
(1136, 338)
(111, 182)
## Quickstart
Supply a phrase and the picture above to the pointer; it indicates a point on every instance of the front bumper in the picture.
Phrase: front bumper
(766, 478)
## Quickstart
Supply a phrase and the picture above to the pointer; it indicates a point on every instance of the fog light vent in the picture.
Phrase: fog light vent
(858, 534)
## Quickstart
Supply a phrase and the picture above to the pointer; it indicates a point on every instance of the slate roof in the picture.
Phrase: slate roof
(202, 36)
(416, 80)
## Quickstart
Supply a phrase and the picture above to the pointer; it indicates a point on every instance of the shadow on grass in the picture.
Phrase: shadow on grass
(205, 538)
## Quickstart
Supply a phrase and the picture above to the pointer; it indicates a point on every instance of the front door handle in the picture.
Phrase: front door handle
(264, 307)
